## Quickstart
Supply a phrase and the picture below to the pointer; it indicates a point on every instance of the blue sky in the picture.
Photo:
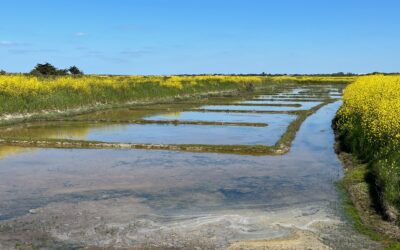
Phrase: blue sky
(201, 36)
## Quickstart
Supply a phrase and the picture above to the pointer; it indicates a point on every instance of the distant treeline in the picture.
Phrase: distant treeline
(48, 69)
(322, 75)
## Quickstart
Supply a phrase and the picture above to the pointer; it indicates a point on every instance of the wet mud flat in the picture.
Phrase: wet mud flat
(75, 198)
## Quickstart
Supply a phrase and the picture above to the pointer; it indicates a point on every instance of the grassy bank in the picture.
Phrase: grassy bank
(359, 204)
(30, 94)
(368, 126)
(27, 94)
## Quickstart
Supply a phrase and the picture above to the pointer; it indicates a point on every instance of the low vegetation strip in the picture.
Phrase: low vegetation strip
(229, 149)
(368, 125)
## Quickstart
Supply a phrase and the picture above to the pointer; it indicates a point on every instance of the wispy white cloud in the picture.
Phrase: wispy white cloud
(80, 34)
(8, 43)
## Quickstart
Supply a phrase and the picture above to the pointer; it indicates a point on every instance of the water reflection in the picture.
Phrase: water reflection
(304, 106)
(147, 197)
(158, 133)
(175, 183)
(6, 151)
(271, 119)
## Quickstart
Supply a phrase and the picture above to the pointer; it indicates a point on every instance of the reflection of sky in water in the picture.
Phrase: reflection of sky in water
(171, 134)
(305, 106)
(161, 195)
(276, 102)
(279, 119)
(304, 93)
(6, 151)
(294, 91)
(177, 182)
(290, 97)
(183, 134)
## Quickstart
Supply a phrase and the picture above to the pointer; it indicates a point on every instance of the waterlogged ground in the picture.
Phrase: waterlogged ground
(166, 133)
(76, 198)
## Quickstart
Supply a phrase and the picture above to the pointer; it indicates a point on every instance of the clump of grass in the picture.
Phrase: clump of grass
(358, 203)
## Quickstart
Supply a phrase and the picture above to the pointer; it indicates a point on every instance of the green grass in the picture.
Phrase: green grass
(363, 217)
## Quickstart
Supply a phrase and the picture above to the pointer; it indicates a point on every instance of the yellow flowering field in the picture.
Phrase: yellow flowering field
(369, 123)
(25, 93)
(26, 85)
(315, 79)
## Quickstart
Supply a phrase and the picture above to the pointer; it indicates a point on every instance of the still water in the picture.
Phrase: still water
(138, 197)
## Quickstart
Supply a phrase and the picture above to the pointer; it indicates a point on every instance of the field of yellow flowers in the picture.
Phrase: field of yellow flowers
(24, 93)
(314, 79)
(369, 123)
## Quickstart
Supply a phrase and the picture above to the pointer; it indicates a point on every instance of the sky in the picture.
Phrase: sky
(162, 37)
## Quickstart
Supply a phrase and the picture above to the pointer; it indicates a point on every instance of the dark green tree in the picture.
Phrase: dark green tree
(2, 72)
(45, 69)
(75, 70)
(62, 72)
